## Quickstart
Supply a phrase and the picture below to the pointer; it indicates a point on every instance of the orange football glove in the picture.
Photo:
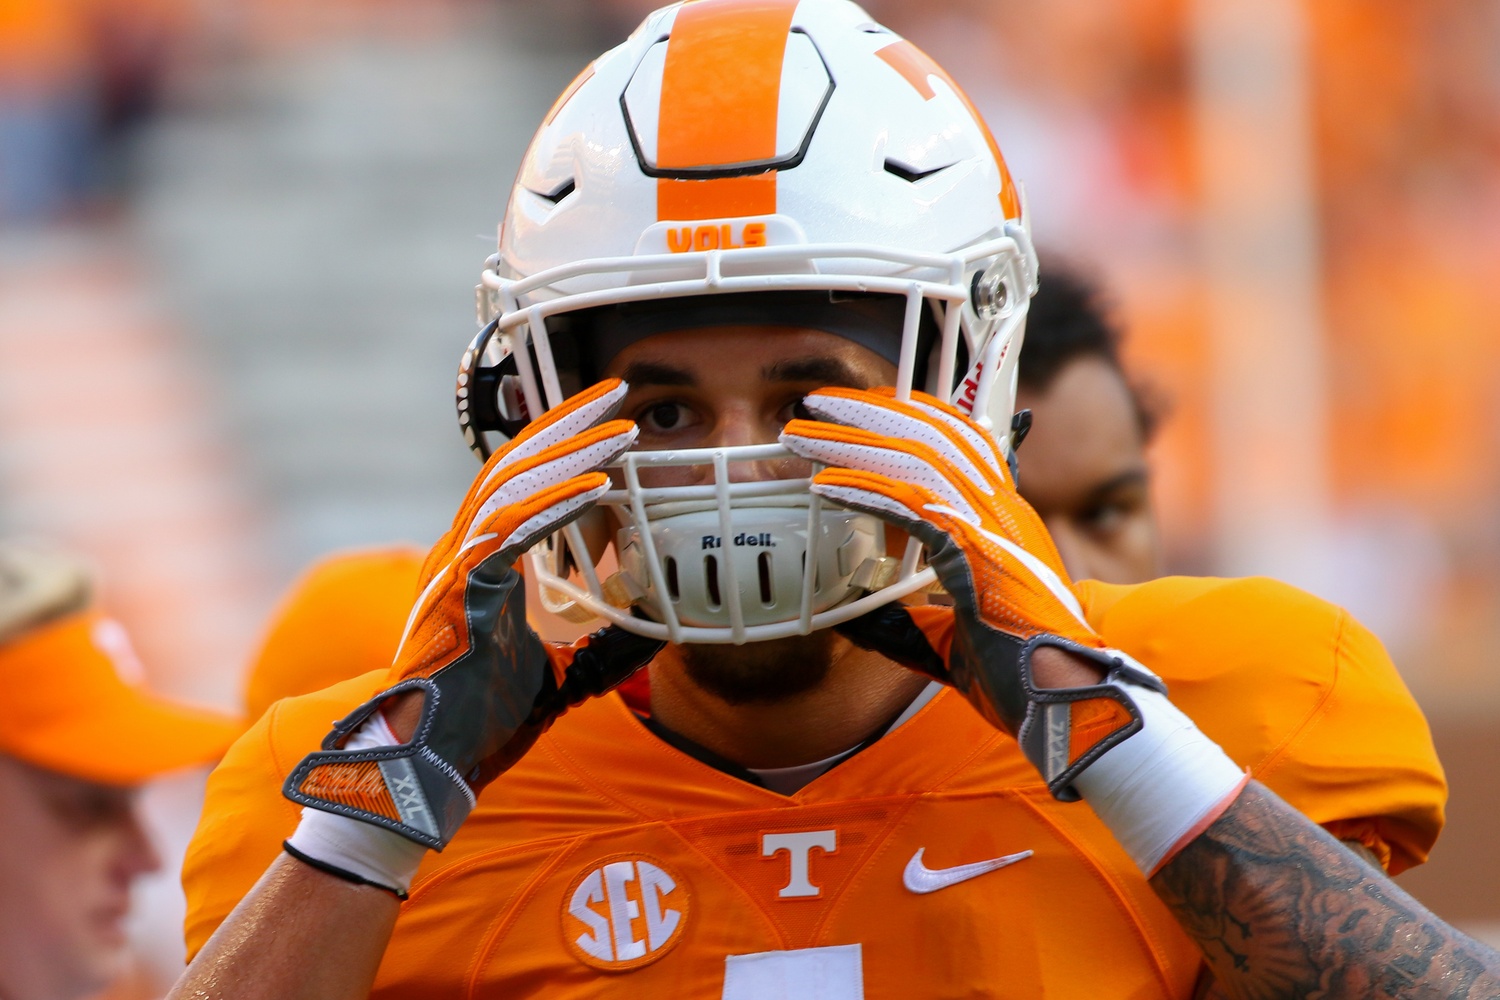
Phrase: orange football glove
(491, 685)
(924, 466)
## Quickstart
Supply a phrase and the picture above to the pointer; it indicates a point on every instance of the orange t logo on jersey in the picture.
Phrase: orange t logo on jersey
(798, 848)
(624, 912)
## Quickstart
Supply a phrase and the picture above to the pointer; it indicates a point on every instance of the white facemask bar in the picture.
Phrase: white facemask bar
(925, 275)
(939, 277)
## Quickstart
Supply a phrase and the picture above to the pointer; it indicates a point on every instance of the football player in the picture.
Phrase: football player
(1085, 471)
(745, 393)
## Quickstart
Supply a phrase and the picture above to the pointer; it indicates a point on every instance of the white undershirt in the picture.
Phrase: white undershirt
(789, 780)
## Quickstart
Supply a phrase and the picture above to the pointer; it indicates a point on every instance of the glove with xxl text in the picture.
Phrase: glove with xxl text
(490, 686)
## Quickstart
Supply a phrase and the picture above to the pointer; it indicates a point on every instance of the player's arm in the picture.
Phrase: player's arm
(299, 933)
(1279, 907)
(1208, 986)
(1282, 909)
(471, 690)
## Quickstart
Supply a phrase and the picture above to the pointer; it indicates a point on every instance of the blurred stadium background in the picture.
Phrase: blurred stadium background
(238, 240)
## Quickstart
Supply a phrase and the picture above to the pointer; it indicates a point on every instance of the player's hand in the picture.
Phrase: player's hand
(488, 685)
(924, 466)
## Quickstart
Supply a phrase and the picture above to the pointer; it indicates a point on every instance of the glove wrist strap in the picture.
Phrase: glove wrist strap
(1164, 785)
(408, 788)
(353, 849)
(1063, 731)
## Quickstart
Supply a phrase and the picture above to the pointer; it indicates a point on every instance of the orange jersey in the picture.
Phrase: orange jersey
(342, 617)
(608, 863)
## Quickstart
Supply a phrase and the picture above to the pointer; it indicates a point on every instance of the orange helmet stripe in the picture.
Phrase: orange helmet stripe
(916, 67)
(720, 198)
(720, 91)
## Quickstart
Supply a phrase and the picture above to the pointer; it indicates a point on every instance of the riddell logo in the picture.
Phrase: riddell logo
(968, 393)
(624, 913)
(683, 239)
(763, 540)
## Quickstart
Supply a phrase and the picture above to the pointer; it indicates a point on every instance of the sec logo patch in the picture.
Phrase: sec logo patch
(624, 912)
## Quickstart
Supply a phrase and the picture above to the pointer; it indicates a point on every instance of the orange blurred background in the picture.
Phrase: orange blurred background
(237, 241)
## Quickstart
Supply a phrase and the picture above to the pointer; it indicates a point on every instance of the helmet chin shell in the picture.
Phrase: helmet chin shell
(678, 580)
(873, 174)
(761, 567)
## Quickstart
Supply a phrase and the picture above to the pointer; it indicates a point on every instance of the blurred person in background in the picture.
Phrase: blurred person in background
(342, 617)
(48, 109)
(76, 77)
(1083, 467)
(81, 737)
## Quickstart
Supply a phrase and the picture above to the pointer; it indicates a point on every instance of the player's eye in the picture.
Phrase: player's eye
(87, 807)
(666, 416)
(1103, 518)
(1113, 514)
(795, 410)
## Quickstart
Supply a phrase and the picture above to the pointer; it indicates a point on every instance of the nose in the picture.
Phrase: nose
(739, 426)
(1073, 549)
(137, 855)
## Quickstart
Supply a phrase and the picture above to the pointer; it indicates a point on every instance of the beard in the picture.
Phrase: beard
(761, 672)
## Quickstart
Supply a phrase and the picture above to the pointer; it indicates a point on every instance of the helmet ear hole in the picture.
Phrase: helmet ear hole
(491, 406)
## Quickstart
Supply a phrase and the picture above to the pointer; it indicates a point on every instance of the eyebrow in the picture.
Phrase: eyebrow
(639, 373)
(1130, 477)
(823, 371)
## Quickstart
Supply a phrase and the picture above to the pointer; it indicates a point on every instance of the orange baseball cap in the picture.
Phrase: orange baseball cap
(76, 705)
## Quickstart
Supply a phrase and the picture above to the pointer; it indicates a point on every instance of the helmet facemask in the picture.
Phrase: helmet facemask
(726, 561)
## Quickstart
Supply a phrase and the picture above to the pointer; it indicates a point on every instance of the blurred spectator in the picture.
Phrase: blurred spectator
(75, 77)
(80, 738)
(1083, 464)
(48, 110)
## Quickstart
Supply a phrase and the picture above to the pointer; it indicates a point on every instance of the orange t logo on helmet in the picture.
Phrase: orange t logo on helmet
(917, 67)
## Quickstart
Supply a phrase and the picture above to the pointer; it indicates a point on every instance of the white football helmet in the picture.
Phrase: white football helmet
(733, 148)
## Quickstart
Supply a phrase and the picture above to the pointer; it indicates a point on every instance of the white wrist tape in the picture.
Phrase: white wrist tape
(1163, 786)
(371, 852)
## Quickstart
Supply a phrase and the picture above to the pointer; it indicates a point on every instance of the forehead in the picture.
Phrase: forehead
(751, 351)
(1084, 429)
(41, 788)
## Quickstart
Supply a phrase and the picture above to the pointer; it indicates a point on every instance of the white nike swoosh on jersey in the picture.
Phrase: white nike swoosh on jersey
(919, 878)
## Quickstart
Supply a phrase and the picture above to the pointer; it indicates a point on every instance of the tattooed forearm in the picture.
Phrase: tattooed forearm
(1281, 909)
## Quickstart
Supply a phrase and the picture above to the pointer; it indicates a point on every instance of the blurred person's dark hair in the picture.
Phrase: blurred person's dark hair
(1070, 318)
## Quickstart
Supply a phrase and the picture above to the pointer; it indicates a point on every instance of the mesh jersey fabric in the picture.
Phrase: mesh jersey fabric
(610, 864)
